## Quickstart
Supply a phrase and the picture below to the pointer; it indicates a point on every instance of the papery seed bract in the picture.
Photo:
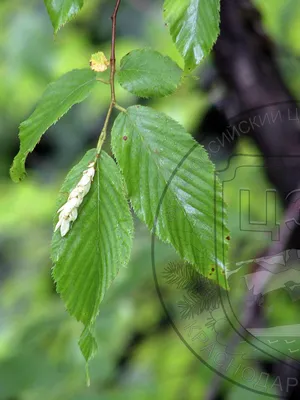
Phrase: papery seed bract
(69, 211)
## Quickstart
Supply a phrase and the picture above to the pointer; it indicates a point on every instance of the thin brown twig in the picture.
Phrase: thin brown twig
(113, 52)
(111, 79)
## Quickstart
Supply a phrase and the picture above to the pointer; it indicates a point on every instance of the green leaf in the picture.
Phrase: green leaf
(194, 27)
(167, 171)
(62, 11)
(147, 73)
(88, 258)
(59, 97)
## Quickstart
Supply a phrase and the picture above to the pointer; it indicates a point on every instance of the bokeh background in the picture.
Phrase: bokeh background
(140, 356)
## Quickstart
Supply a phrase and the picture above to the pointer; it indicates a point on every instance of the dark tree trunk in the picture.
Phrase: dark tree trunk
(245, 61)
(244, 57)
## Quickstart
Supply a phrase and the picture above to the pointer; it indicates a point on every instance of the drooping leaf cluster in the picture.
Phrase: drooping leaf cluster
(167, 177)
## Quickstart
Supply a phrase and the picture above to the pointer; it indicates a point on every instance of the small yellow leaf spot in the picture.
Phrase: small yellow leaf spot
(99, 62)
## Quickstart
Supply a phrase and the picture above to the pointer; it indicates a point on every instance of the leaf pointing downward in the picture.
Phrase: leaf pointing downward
(88, 258)
(172, 187)
(62, 11)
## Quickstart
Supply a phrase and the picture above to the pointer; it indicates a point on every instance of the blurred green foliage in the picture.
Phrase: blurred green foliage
(140, 356)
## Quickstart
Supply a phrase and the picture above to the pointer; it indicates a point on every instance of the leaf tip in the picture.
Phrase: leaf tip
(16, 176)
(87, 375)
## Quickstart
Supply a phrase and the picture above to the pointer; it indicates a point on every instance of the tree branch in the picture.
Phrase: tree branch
(113, 52)
(251, 312)
(111, 79)
(245, 60)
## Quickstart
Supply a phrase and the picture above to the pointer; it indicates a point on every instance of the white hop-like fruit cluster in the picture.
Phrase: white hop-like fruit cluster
(69, 211)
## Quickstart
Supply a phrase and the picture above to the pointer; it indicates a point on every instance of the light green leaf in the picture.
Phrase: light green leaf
(194, 27)
(88, 344)
(59, 97)
(168, 173)
(147, 73)
(62, 11)
(88, 258)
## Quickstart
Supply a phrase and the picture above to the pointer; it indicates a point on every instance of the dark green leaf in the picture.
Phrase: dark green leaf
(147, 73)
(168, 173)
(88, 258)
(62, 11)
(194, 27)
(58, 98)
